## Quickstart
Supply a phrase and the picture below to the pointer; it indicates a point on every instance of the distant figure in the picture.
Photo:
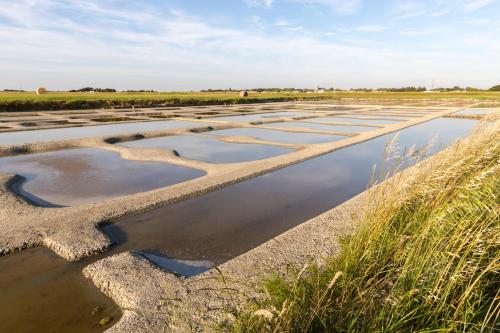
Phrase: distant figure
(243, 93)
(41, 91)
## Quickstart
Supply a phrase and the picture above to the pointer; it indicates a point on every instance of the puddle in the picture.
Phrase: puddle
(475, 111)
(322, 127)
(278, 136)
(44, 293)
(212, 228)
(356, 120)
(184, 268)
(22, 137)
(210, 149)
(262, 116)
(77, 176)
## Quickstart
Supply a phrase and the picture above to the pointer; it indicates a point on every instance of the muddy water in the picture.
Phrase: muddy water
(44, 293)
(210, 149)
(322, 127)
(215, 227)
(278, 136)
(77, 176)
(11, 138)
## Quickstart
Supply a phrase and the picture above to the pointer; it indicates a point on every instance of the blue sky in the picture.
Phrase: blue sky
(191, 45)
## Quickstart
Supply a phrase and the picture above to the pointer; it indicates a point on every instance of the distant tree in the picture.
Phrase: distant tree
(90, 89)
(455, 88)
(403, 89)
(495, 88)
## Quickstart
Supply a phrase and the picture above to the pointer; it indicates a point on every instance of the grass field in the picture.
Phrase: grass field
(425, 259)
(27, 101)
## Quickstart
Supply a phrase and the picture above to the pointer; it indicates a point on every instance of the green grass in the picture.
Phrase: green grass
(25, 101)
(426, 257)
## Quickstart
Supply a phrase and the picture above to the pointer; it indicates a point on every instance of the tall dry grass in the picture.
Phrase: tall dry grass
(426, 257)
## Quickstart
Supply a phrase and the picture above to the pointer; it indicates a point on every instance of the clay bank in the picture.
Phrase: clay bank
(181, 198)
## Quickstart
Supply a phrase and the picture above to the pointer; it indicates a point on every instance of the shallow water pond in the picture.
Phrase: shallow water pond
(322, 127)
(359, 121)
(77, 176)
(263, 116)
(22, 137)
(210, 149)
(278, 136)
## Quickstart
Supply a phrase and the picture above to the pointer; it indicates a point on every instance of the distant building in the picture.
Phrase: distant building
(243, 93)
(318, 89)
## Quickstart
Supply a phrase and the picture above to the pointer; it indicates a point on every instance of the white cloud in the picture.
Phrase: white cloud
(370, 28)
(442, 12)
(473, 5)
(410, 9)
(287, 26)
(263, 3)
(340, 6)
(421, 32)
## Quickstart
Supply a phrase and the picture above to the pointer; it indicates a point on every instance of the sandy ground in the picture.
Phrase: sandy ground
(141, 289)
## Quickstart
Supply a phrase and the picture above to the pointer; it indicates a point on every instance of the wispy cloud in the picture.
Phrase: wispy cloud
(370, 28)
(421, 32)
(473, 5)
(263, 3)
(340, 6)
(288, 26)
(410, 9)
(441, 12)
